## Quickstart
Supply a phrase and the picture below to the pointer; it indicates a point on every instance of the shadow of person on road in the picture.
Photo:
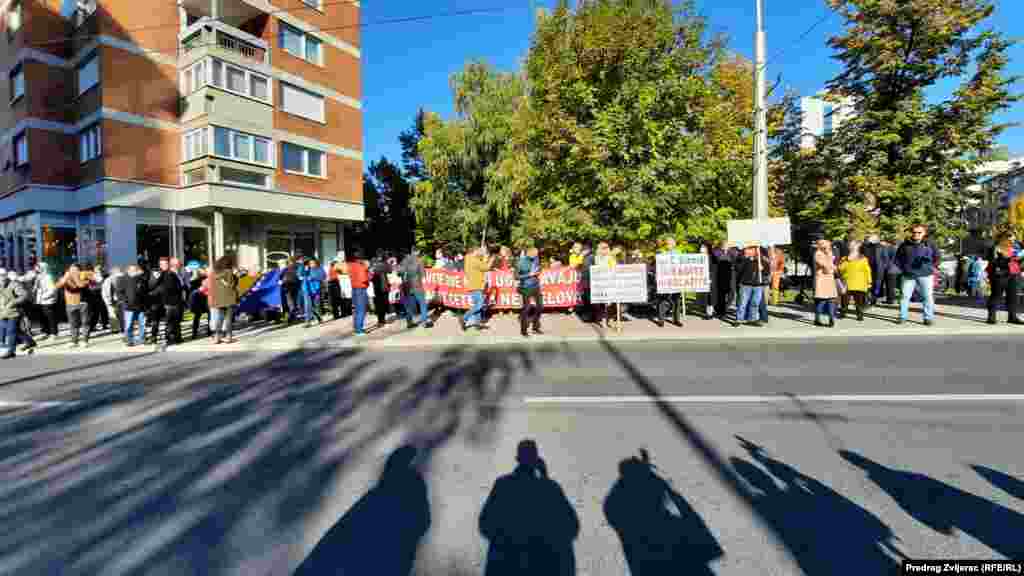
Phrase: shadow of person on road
(380, 534)
(826, 532)
(942, 507)
(660, 532)
(528, 522)
(1007, 483)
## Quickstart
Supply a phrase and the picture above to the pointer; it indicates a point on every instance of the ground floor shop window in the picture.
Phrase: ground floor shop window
(60, 248)
(196, 246)
(154, 242)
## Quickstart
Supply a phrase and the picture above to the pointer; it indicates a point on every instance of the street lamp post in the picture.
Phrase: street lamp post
(760, 183)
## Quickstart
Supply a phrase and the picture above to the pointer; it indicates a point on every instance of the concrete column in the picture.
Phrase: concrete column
(215, 9)
(341, 237)
(122, 239)
(182, 18)
(218, 234)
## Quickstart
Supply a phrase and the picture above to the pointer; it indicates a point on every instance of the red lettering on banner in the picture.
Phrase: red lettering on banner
(559, 289)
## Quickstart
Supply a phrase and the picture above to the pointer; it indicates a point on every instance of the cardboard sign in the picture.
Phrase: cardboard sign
(624, 284)
(769, 232)
(678, 273)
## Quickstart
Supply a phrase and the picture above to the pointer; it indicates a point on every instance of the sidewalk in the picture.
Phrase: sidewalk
(788, 321)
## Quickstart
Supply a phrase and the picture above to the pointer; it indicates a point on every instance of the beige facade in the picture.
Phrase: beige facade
(192, 129)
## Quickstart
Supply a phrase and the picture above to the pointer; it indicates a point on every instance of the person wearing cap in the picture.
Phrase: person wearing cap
(75, 283)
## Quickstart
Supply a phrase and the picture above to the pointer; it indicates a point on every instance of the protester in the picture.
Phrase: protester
(1004, 273)
(169, 292)
(132, 292)
(46, 300)
(918, 258)
(94, 298)
(155, 302)
(440, 262)
(576, 256)
(670, 249)
(604, 259)
(778, 268)
(222, 288)
(871, 250)
(723, 274)
(477, 265)
(412, 273)
(74, 284)
(976, 279)
(198, 302)
(380, 269)
(589, 313)
(108, 291)
(312, 277)
(824, 283)
(528, 275)
(359, 273)
(856, 273)
(290, 287)
(334, 289)
(891, 272)
(24, 328)
(753, 273)
(13, 296)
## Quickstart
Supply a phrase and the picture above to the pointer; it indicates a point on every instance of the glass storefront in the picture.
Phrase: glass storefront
(93, 247)
(196, 246)
(60, 248)
(154, 242)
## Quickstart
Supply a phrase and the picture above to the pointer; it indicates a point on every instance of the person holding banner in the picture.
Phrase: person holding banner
(528, 274)
(605, 259)
(476, 266)
(670, 248)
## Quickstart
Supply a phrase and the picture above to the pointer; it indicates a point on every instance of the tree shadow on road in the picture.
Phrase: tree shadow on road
(202, 467)
(944, 508)
(381, 532)
(528, 522)
(660, 532)
(1007, 483)
(827, 532)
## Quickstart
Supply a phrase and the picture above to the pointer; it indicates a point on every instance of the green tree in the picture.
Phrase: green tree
(900, 155)
(619, 123)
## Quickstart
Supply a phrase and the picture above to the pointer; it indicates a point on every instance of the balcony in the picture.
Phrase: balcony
(209, 36)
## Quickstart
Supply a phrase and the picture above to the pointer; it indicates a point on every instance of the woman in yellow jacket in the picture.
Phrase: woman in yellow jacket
(856, 273)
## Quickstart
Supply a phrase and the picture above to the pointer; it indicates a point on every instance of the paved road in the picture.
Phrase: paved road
(783, 457)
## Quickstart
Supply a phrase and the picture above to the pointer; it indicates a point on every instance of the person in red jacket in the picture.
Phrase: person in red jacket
(359, 274)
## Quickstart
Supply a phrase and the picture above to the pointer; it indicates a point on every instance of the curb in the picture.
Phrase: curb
(734, 334)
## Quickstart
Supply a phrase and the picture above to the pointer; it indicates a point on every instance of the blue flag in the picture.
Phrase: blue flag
(265, 293)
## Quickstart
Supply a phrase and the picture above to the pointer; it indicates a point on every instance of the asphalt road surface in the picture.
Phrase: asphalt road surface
(838, 457)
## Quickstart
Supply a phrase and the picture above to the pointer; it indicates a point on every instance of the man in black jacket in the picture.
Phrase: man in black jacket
(132, 289)
(290, 290)
(171, 293)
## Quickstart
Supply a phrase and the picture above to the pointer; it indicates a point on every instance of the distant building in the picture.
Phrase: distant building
(821, 117)
(1002, 184)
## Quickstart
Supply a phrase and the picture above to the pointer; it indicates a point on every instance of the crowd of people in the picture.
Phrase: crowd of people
(742, 279)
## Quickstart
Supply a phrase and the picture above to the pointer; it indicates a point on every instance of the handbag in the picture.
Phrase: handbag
(840, 286)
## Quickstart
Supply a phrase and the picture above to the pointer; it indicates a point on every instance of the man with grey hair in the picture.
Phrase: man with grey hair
(412, 272)
(108, 291)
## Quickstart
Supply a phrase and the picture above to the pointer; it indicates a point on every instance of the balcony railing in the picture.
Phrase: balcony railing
(208, 33)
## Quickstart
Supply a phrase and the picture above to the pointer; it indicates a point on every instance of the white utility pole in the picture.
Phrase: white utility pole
(760, 120)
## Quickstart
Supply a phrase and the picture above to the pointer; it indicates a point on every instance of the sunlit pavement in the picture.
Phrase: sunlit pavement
(816, 457)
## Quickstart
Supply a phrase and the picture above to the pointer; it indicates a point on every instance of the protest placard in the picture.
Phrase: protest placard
(678, 273)
(625, 284)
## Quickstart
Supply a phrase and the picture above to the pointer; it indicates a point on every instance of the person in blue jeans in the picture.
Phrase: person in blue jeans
(312, 278)
(133, 291)
(359, 274)
(752, 273)
(917, 259)
(412, 273)
(12, 296)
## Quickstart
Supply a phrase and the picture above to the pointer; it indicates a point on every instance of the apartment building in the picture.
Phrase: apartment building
(821, 117)
(193, 128)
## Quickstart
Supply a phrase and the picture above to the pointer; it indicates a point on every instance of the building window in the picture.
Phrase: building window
(295, 100)
(90, 146)
(241, 146)
(299, 44)
(239, 80)
(20, 145)
(17, 83)
(195, 176)
(13, 19)
(88, 74)
(235, 176)
(299, 160)
(194, 78)
(195, 144)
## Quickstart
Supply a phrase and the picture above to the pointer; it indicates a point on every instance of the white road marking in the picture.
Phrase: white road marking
(777, 399)
(31, 404)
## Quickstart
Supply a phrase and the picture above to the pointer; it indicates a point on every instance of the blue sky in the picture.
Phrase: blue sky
(408, 65)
